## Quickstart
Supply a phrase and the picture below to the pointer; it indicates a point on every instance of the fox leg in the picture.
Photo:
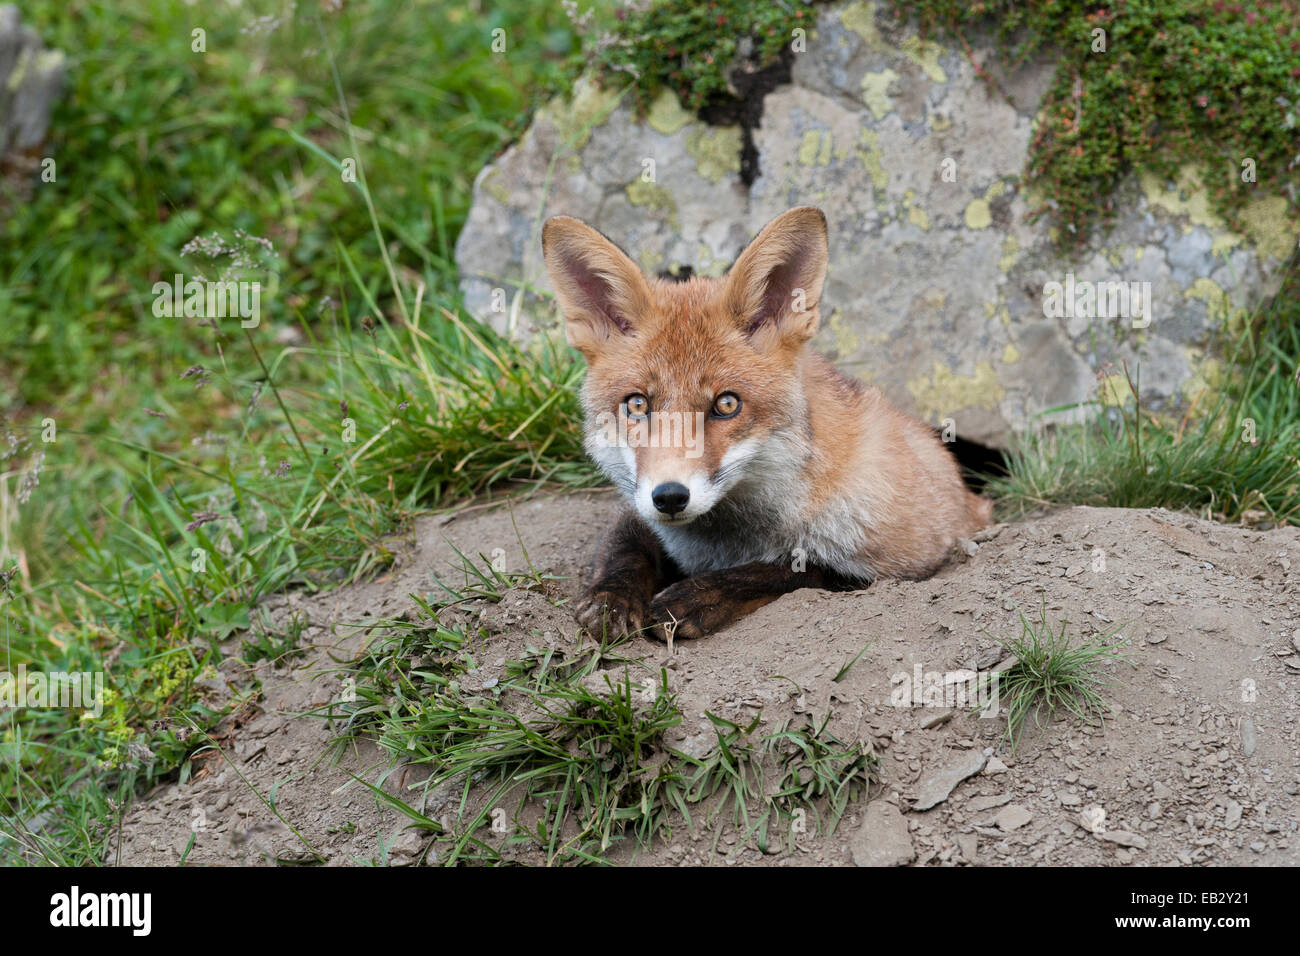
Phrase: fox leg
(708, 602)
(631, 567)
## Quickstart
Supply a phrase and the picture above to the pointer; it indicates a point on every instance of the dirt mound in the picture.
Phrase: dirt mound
(1198, 760)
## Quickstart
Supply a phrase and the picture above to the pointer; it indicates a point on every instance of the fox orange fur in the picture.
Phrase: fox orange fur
(752, 466)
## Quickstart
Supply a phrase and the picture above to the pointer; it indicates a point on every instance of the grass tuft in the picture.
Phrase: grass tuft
(1053, 672)
(569, 745)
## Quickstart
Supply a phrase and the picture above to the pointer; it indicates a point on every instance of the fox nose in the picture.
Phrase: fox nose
(670, 497)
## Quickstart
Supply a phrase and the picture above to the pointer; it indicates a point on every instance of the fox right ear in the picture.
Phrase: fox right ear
(775, 287)
(600, 290)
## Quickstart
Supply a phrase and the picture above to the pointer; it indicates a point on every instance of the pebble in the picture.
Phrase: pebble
(1232, 815)
(982, 803)
(968, 843)
(936, 719)
(935, 788)
(883, 839)
(1093, 819)
(1248, 742)
(1124, 838)
(1012, 817)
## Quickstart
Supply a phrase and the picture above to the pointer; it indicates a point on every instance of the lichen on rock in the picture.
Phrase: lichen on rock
(938, 279)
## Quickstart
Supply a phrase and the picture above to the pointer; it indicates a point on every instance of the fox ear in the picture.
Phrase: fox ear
(600, 290)
(775, 286)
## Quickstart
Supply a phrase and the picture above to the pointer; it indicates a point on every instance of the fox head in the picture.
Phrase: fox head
(693, 390)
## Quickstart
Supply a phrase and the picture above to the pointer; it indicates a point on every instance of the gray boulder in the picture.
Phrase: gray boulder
(31, 78)
(939, 290)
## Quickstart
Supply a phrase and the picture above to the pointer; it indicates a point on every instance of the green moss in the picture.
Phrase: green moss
(1271, 225)
(846, 342)
(1010, 252)
(685, 46)
(817, 148)
(916, 215)
(493, 186)
(1180, 82)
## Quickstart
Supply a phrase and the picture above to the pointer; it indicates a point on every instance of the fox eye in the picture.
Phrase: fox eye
(726, 405)
(638, 406)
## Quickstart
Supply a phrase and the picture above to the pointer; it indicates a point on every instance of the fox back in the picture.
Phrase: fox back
(732, 439)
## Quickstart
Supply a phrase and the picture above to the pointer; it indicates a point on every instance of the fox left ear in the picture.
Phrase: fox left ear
(601, 292)
(776, 285)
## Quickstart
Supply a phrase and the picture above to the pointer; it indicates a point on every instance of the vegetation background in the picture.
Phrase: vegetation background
(173, 435)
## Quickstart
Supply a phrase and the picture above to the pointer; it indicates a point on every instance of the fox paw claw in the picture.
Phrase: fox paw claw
(610, 613)
(676, 612)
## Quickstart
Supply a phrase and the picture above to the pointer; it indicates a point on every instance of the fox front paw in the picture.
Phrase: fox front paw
(610, 612)
(681, 611)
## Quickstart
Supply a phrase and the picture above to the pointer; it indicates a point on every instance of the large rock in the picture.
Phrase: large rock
(938, 287)
(31, 78)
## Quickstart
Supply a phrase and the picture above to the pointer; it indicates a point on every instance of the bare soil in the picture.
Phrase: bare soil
(1197, 762)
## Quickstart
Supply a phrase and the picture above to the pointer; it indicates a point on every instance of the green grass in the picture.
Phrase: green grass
(140, 542)
(578, 764)
(1054, 672)
(1232, 456)
(157, 144)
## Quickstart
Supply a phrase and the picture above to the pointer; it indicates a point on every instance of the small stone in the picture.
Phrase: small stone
(940, 782)
(1124, 838)
(968, 843)
(982, 803)
(883, 839)
(1248, 741)
(995, 766)
(936, 719)
(1232, 815)
(406, 849)
(1012, 817)
(1093, 819)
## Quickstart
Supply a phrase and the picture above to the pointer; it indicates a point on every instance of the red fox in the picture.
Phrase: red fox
(752, 466)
